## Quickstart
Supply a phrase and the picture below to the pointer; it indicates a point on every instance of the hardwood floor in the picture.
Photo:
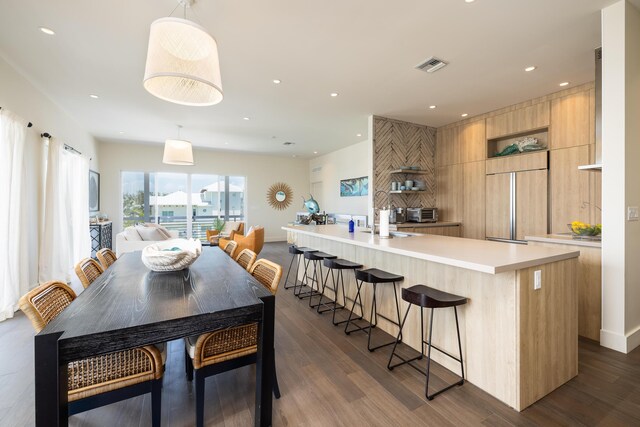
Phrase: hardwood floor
(328, 378)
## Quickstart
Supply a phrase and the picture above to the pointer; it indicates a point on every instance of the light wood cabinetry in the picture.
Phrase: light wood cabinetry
(473, 142)
(450, 230)
(571, 118)
(498, 205)
(473, 204)
(531, 203)
(589, 288)
(569, 192)
(449, 194)
(448, 147)
(518, 162)
(519, 120)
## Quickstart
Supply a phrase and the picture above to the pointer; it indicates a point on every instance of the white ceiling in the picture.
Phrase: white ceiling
(365, 50)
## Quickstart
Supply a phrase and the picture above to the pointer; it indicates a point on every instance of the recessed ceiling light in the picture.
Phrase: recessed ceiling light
(564, 84)
(277, 81)
(48, 31)
(464, 115)
(432, 107)
(315, 152)
(531, 68)
(121, 132)
(246, 118)
(469, 1)
(226, 143)
(295, 155)
(94, 96)
(334, 94)
(358, 134)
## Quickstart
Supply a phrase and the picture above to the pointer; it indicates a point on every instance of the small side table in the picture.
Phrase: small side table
(101, 236)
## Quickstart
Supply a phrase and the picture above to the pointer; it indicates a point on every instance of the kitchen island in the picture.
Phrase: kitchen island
(519, 344)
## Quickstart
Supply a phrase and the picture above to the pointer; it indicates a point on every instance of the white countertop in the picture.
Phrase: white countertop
(564, 239)
(479, 255)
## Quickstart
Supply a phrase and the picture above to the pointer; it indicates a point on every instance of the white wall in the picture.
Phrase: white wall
(329, 169)
(620, 176)
(261, 172)
(23, 98)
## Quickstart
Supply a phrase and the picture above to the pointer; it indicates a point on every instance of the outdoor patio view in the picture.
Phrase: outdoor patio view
(187, 203)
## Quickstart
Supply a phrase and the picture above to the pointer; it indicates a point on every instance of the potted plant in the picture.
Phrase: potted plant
(218, 225)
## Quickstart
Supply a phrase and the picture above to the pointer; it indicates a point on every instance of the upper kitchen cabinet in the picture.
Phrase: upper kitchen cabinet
(473, 141)
(448, 150)
(518, 121)
(571, 120)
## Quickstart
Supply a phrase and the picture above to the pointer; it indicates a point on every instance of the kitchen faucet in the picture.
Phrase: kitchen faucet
(373, 203)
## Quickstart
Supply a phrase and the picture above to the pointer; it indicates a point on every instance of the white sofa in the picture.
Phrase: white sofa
(131, 240)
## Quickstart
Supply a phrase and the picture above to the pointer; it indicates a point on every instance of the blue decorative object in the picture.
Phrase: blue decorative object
(311, 205)
(354, 187)
(351, 226)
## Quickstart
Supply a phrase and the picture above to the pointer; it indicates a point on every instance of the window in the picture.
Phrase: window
(166, 198)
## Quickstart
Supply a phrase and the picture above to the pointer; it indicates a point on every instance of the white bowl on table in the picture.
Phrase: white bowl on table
(171, 255)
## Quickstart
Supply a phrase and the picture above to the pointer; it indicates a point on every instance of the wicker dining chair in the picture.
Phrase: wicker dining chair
(246, 258)
(227, 349)
(230, 248)
(100, 380)
(87, 271)
(106, 257)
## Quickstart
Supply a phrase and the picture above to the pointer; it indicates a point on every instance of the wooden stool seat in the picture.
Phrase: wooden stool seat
(374, 275)
(425, 296)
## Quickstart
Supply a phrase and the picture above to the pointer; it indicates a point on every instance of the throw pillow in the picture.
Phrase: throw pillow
(158, 227)
(131, 234)
(150, 234)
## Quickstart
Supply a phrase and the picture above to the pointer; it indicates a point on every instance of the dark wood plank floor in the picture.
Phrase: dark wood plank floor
(328, 378)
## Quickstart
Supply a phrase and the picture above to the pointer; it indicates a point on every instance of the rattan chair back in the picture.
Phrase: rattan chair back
(268, 273)
(246, 258)
(43, 303)
(230, 249)
(106, 257)
(88, 270)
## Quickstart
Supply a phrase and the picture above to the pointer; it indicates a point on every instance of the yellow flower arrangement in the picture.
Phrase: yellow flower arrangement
(584, 229)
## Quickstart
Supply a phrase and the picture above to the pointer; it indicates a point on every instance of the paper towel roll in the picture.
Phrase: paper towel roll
(384, 223)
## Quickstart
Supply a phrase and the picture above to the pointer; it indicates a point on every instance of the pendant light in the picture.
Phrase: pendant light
(177, 151)
(182, 62)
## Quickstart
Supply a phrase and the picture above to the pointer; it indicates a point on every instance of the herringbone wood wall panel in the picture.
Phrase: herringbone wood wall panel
(395, 144)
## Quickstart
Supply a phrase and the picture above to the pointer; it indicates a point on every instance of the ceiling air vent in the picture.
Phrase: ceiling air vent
(431, 65)
(288, 143)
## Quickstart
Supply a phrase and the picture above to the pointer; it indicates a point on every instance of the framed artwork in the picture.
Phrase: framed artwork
(94, 191)
(354, 187)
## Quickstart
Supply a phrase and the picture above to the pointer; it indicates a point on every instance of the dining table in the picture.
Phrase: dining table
(130, 306)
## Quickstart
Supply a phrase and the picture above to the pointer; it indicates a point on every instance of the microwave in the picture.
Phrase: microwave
(422, 214)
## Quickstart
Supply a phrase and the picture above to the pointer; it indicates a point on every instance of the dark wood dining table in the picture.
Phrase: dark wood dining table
(130, 306)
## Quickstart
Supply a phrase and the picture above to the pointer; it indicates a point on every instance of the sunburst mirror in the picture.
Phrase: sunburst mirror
(279, 196)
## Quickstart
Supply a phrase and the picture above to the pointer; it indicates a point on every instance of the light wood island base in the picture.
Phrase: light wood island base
(518, 344)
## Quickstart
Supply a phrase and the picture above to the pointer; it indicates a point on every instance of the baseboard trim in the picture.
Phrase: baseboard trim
(618, 342)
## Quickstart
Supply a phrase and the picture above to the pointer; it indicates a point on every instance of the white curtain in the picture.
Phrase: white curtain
(14, 271)
(65, 239)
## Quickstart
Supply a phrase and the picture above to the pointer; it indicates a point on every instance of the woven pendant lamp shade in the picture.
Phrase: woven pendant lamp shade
(182, 63)
(177, 152)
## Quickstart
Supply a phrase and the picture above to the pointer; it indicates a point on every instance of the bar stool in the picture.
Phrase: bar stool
(296, 255)
(426, 297)
(314, 258)
(374, 276)
(339, 265)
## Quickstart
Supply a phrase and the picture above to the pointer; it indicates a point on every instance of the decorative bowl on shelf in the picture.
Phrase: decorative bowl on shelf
(581, 230)
(171, 255)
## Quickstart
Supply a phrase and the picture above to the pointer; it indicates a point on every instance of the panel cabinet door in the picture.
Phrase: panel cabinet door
(473, 142)
(569, 187)
(448, 146)
(517, 121)
(449, 193)
(531, 203)
(498, 205)
(474, 200)
(571, 120)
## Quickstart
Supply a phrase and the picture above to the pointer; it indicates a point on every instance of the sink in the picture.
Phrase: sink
(398, 234)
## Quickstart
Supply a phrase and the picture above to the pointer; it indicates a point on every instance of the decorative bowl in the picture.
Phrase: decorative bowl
(581, 229)
(171, 255)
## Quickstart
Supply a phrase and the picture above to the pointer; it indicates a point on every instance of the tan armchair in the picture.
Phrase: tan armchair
(229, 230)
(254, 240)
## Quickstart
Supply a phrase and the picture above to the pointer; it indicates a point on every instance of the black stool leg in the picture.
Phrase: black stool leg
(455, 311)
(374, 315)
(327, 305)
(286, 280)
(346, 327)
(305, 281)
(320, 290)
(429, 345)
(344, 302)
(395, 345)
